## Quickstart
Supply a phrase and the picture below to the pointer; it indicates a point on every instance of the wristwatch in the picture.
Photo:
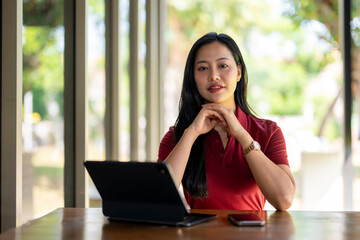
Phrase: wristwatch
(253, 146)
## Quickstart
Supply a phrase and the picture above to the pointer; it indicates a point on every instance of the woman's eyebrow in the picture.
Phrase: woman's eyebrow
(219, 59)
(201, 61)
(222, 58)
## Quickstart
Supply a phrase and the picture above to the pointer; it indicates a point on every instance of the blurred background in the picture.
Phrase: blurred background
(295, 69)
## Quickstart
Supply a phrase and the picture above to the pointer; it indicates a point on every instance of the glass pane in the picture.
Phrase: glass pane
(43, 124)
(142, 81)
(355, 32)
(291, 52)
(96, 88)
(124, 81)
(96, 79)
(124, 32)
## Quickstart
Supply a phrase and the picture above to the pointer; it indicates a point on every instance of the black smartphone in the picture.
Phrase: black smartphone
(246, 219)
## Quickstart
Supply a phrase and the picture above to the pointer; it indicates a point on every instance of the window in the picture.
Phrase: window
(124, 81)
(43, 118)
(355, 33)
(96, 78)
(96, 88)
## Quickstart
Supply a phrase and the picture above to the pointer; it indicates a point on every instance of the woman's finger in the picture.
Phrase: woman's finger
(217, 107)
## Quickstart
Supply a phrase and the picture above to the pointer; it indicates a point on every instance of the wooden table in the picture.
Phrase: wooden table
(89, 223)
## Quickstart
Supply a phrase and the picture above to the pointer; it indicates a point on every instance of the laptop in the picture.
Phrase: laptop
(141, 192)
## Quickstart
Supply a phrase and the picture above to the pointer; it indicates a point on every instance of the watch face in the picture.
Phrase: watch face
(256, 145)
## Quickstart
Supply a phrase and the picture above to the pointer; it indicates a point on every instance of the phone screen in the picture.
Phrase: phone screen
(246, 219)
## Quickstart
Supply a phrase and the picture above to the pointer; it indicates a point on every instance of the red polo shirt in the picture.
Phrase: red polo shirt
(230, 182)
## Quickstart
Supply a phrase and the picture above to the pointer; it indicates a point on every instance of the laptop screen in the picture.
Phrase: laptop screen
(139, 191)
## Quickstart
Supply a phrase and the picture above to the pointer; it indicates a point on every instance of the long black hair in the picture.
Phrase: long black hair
(194, 179)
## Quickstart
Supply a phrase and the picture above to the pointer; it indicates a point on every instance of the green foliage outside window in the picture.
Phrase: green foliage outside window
(276, 86)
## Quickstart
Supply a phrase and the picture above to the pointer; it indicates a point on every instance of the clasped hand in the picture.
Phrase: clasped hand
(212, 114)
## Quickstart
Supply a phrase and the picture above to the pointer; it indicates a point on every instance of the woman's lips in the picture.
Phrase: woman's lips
(215, 88)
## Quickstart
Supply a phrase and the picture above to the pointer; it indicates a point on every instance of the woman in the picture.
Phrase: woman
(214, 147)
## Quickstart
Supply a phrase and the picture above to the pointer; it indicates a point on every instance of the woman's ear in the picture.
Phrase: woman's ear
(238, 73)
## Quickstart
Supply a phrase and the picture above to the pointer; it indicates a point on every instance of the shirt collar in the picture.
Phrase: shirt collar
(241, 116)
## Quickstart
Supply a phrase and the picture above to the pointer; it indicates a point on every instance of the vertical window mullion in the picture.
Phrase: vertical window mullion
(75, 99)
(112, 79)
(81, 102)
(11, 114)
(348, 169)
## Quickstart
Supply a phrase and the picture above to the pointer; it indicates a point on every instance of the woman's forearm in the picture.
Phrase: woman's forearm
(179, 156)
(275, 181)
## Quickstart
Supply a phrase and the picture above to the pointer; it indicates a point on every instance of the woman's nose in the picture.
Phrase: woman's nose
(214, 75)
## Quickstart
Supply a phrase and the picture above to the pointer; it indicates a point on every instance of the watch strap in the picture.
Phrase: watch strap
(253, 146)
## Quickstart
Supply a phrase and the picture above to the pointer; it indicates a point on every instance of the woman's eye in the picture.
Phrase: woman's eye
(202, 68)
(223, 66)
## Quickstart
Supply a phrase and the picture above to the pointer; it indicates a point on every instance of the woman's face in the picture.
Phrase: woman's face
(216, 74)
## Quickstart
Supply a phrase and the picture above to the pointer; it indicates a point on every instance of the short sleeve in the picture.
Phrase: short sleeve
(276, 149)
(167, 144)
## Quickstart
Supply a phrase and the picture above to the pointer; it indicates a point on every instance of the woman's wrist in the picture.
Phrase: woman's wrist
(244, 138)
(190, 133)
